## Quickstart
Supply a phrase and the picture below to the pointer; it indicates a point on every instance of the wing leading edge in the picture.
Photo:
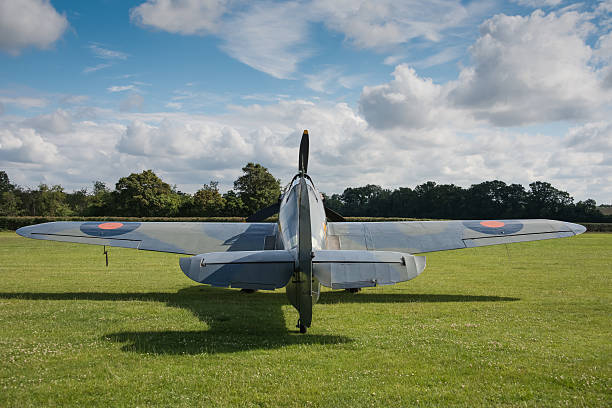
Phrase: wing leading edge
(429, 236)
(188, 238)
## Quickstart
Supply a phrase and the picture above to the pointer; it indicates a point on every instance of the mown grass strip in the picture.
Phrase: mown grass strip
(522, 325)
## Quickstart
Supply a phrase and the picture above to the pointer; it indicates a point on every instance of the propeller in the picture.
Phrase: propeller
(264, 213)
(333, 216)
(303, 159)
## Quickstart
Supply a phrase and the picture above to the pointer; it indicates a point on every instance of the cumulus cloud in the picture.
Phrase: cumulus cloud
(591, 137)
(180, 16)
(194, 140)
(59, 121)
(532, 69)
(26, 146)
(408, 101)
(26, 23)
(191, 149)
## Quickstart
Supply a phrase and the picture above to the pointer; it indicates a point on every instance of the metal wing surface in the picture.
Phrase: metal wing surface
(429, 236)
(190, 238)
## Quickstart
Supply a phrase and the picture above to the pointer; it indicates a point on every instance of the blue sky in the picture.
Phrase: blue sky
(393, 93)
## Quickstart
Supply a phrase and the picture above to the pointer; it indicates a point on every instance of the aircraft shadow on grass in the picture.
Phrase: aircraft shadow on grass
(236, 321)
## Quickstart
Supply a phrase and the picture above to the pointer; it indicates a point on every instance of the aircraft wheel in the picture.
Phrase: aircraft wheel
(302, 329)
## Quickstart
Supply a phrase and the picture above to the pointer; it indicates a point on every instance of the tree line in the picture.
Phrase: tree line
(143, 194)
(146, 195)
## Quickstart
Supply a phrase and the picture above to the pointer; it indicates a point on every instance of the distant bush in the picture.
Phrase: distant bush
(597, 226)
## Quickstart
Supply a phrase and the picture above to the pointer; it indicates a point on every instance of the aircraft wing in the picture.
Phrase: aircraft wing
(190, 238)
(429, 236)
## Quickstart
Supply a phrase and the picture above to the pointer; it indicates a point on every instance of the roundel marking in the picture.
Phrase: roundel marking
(492, 224)
(491, 227)
(108, 229)
(110, 225)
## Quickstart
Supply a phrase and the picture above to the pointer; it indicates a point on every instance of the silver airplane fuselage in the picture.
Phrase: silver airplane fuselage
(302, 229)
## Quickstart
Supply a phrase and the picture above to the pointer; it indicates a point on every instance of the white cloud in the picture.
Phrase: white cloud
(121, 88)
(27, 23)
(95, 68)
(106, 53)
(533, 69)
(24, 101)
(538, 3)
(25, 145)
(180, 16)
(191, 149)
(330, 80)
(408, 101)
(385, 23)
(270, 36)
(59, 121)
(591, 137)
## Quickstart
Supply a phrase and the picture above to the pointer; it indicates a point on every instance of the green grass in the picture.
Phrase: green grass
(524, 325)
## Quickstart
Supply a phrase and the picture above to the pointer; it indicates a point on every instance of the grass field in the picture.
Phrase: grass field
(524, 325)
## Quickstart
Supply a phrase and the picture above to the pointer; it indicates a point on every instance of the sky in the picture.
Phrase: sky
(393, 93)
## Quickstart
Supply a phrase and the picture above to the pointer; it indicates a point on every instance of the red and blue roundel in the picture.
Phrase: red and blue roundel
(108, 229)
(492, 227)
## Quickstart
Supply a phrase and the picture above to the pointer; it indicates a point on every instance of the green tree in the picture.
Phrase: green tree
(145, 195)
(257, 188)
(101, 200)
(5, 183)
(49, 201)
(10, 204)
(234, 207)
(78, 201)
(208, 201)
(545, 201)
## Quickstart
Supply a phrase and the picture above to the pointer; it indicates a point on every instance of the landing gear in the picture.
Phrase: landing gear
(352, 290)
(301, 327)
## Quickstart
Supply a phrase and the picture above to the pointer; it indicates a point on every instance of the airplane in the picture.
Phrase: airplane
(310, 246)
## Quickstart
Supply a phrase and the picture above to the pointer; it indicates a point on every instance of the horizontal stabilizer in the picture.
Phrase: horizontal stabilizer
(360, 269)
(241, 269)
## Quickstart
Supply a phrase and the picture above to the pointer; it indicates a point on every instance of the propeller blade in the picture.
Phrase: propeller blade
(303, 159)
(333, 216)
(264, 213)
